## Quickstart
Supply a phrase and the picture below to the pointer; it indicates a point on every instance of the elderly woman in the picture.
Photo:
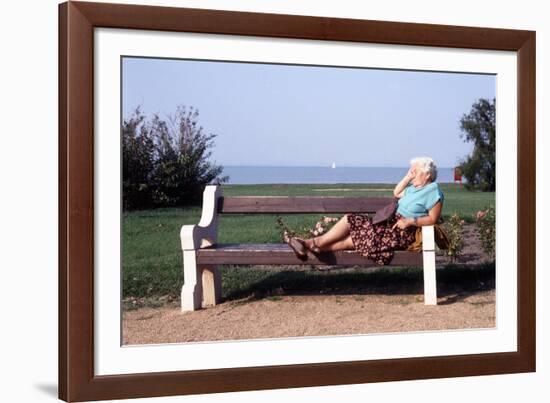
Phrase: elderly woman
(420, 203)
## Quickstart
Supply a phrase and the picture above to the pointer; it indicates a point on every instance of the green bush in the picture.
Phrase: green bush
(138, 153)
(485, 221)
(456, 242)
(165, 162)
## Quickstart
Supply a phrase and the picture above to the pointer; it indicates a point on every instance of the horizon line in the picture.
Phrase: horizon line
(320, 166)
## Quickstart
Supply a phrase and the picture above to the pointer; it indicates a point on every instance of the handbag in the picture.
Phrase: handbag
(386, 212)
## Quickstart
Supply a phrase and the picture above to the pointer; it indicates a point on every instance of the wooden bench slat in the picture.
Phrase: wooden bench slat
(282, 254)
(300, 204)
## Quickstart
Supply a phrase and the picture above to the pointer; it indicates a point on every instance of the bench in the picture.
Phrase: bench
(202, 254)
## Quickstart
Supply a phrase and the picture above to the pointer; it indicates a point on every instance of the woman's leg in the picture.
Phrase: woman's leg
(339, 232)
(346, 243)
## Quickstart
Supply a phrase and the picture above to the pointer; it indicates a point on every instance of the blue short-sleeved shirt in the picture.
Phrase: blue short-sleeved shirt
(416, 202)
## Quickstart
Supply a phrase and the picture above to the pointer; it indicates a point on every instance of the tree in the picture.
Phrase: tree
(138, 153)
(478, 126)
(182, 168)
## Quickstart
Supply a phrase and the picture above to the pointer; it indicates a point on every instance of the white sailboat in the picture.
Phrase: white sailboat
(333, 165)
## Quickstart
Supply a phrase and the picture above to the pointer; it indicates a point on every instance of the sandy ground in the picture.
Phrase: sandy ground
(358, 311)
(311, 315)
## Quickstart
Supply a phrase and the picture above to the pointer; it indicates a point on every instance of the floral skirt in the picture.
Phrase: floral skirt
(378, 241)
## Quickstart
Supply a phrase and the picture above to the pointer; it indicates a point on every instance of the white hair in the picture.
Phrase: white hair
(427, 165)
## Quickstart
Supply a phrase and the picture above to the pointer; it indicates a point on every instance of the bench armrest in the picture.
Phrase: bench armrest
(205, 233)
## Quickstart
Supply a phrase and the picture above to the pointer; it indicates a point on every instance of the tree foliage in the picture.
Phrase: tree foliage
(478, 126)
(138, 153)
(167, 160)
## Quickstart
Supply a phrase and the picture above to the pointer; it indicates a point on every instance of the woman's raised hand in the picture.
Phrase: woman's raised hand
(410, 174)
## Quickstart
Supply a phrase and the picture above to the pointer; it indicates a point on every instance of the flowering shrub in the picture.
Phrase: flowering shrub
(321, 227)
(485, 221)
(456, 243)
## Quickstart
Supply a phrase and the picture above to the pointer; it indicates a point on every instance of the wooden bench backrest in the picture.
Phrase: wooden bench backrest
(300, 204)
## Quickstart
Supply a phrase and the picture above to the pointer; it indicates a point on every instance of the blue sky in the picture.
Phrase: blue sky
(281, 115)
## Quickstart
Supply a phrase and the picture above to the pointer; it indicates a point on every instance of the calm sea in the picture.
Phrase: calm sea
(246, 175)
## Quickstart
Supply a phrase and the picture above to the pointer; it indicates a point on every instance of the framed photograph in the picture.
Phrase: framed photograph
(297, 104)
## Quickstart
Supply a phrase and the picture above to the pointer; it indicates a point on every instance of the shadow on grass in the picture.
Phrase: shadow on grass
(454, 282)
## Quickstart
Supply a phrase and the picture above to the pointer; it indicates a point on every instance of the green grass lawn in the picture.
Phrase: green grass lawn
(152, 262)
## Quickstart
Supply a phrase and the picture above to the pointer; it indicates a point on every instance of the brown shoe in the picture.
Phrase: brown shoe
(298, 247)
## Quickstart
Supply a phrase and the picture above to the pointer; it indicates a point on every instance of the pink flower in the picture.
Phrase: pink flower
(315, 233)
(461, 222)
(329, 219)
(481, 214)
(320, 230)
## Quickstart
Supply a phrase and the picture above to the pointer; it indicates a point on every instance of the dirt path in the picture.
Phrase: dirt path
(361, 310)
(311, 315)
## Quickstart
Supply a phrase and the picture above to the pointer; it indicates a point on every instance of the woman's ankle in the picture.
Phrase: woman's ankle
(315, 242)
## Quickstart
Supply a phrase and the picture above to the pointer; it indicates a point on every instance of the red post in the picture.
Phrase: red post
(458, 176)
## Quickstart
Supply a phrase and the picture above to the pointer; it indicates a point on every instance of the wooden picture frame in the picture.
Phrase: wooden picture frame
(77, 21)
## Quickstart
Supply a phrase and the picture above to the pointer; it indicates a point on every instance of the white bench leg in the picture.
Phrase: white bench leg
(202, 286)
(428, 257)
(430, 284)
(211, 285)
(191, 292)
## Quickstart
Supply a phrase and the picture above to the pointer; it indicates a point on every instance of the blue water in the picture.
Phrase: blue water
(246, 175)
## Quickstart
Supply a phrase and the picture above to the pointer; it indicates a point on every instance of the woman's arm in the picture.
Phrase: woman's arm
(432, 218)
(400, 187)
